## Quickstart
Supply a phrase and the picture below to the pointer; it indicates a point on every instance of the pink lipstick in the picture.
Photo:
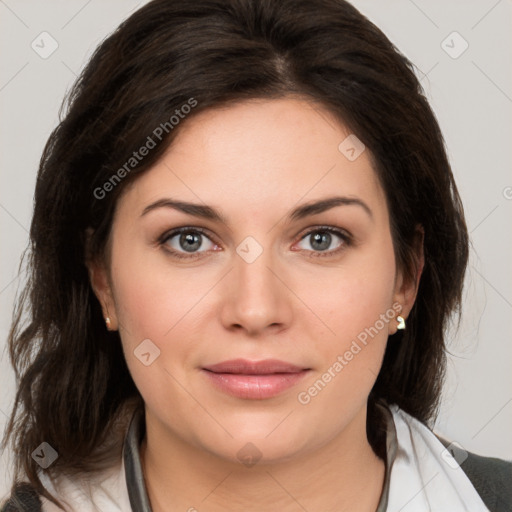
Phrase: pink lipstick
(254, 380)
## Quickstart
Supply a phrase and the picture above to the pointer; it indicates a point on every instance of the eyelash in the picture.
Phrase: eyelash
(345, 237)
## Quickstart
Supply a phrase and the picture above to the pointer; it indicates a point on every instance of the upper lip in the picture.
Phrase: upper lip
(263, 367)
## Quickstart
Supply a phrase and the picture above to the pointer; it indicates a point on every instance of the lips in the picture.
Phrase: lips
(265, 367)
(255, 380)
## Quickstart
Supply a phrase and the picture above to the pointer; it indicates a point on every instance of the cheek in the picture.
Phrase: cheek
(155, 304)
(151, 295)
(352, 296)
(355, 302)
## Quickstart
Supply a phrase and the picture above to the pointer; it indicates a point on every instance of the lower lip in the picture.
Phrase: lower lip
(255, 387)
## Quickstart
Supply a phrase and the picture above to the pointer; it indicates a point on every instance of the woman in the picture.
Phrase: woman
(246, 245)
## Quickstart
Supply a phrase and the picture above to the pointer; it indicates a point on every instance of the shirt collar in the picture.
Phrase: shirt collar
(139, 500)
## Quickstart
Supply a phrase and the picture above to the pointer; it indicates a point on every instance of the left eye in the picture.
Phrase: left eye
(322, 238)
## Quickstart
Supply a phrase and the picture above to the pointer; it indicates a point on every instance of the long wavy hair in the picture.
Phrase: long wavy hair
(74, 390)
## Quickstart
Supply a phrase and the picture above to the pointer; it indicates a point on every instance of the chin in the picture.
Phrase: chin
(264, 442)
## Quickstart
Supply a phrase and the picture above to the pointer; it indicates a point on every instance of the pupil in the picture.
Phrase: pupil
(190, 242)
(323, 239)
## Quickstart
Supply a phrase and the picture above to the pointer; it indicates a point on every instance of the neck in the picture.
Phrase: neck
(343, 475)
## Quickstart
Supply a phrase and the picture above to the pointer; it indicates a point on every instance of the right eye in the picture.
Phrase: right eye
(185, 242)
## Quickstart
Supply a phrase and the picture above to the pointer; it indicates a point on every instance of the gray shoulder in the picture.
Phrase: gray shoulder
(490, 476)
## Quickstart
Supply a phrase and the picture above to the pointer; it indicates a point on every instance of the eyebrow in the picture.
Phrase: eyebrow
(305, 210)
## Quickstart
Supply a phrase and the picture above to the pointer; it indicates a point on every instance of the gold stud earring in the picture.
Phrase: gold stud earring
(107, 321)
(401, 322)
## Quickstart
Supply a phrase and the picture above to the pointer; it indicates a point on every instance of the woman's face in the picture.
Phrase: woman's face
(317, 290)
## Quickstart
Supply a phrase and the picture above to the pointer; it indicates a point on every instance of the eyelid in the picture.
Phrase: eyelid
(170, 233)
(330, 229)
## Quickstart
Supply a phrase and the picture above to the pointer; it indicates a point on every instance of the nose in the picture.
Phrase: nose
(256, 297)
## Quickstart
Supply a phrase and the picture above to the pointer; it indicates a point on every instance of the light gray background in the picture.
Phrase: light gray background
(472, 98)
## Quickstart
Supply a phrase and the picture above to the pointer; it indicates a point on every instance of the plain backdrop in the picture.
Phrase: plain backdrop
(467, 78)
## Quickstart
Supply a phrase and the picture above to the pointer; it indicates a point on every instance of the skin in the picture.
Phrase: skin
(254, 162)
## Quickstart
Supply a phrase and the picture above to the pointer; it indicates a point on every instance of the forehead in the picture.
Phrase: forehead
(260, 154)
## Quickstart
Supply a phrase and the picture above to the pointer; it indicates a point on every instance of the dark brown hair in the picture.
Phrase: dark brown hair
(73, 382)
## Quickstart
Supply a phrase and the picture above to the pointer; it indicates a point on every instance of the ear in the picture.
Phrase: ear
(101, 285)
(406, 288)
